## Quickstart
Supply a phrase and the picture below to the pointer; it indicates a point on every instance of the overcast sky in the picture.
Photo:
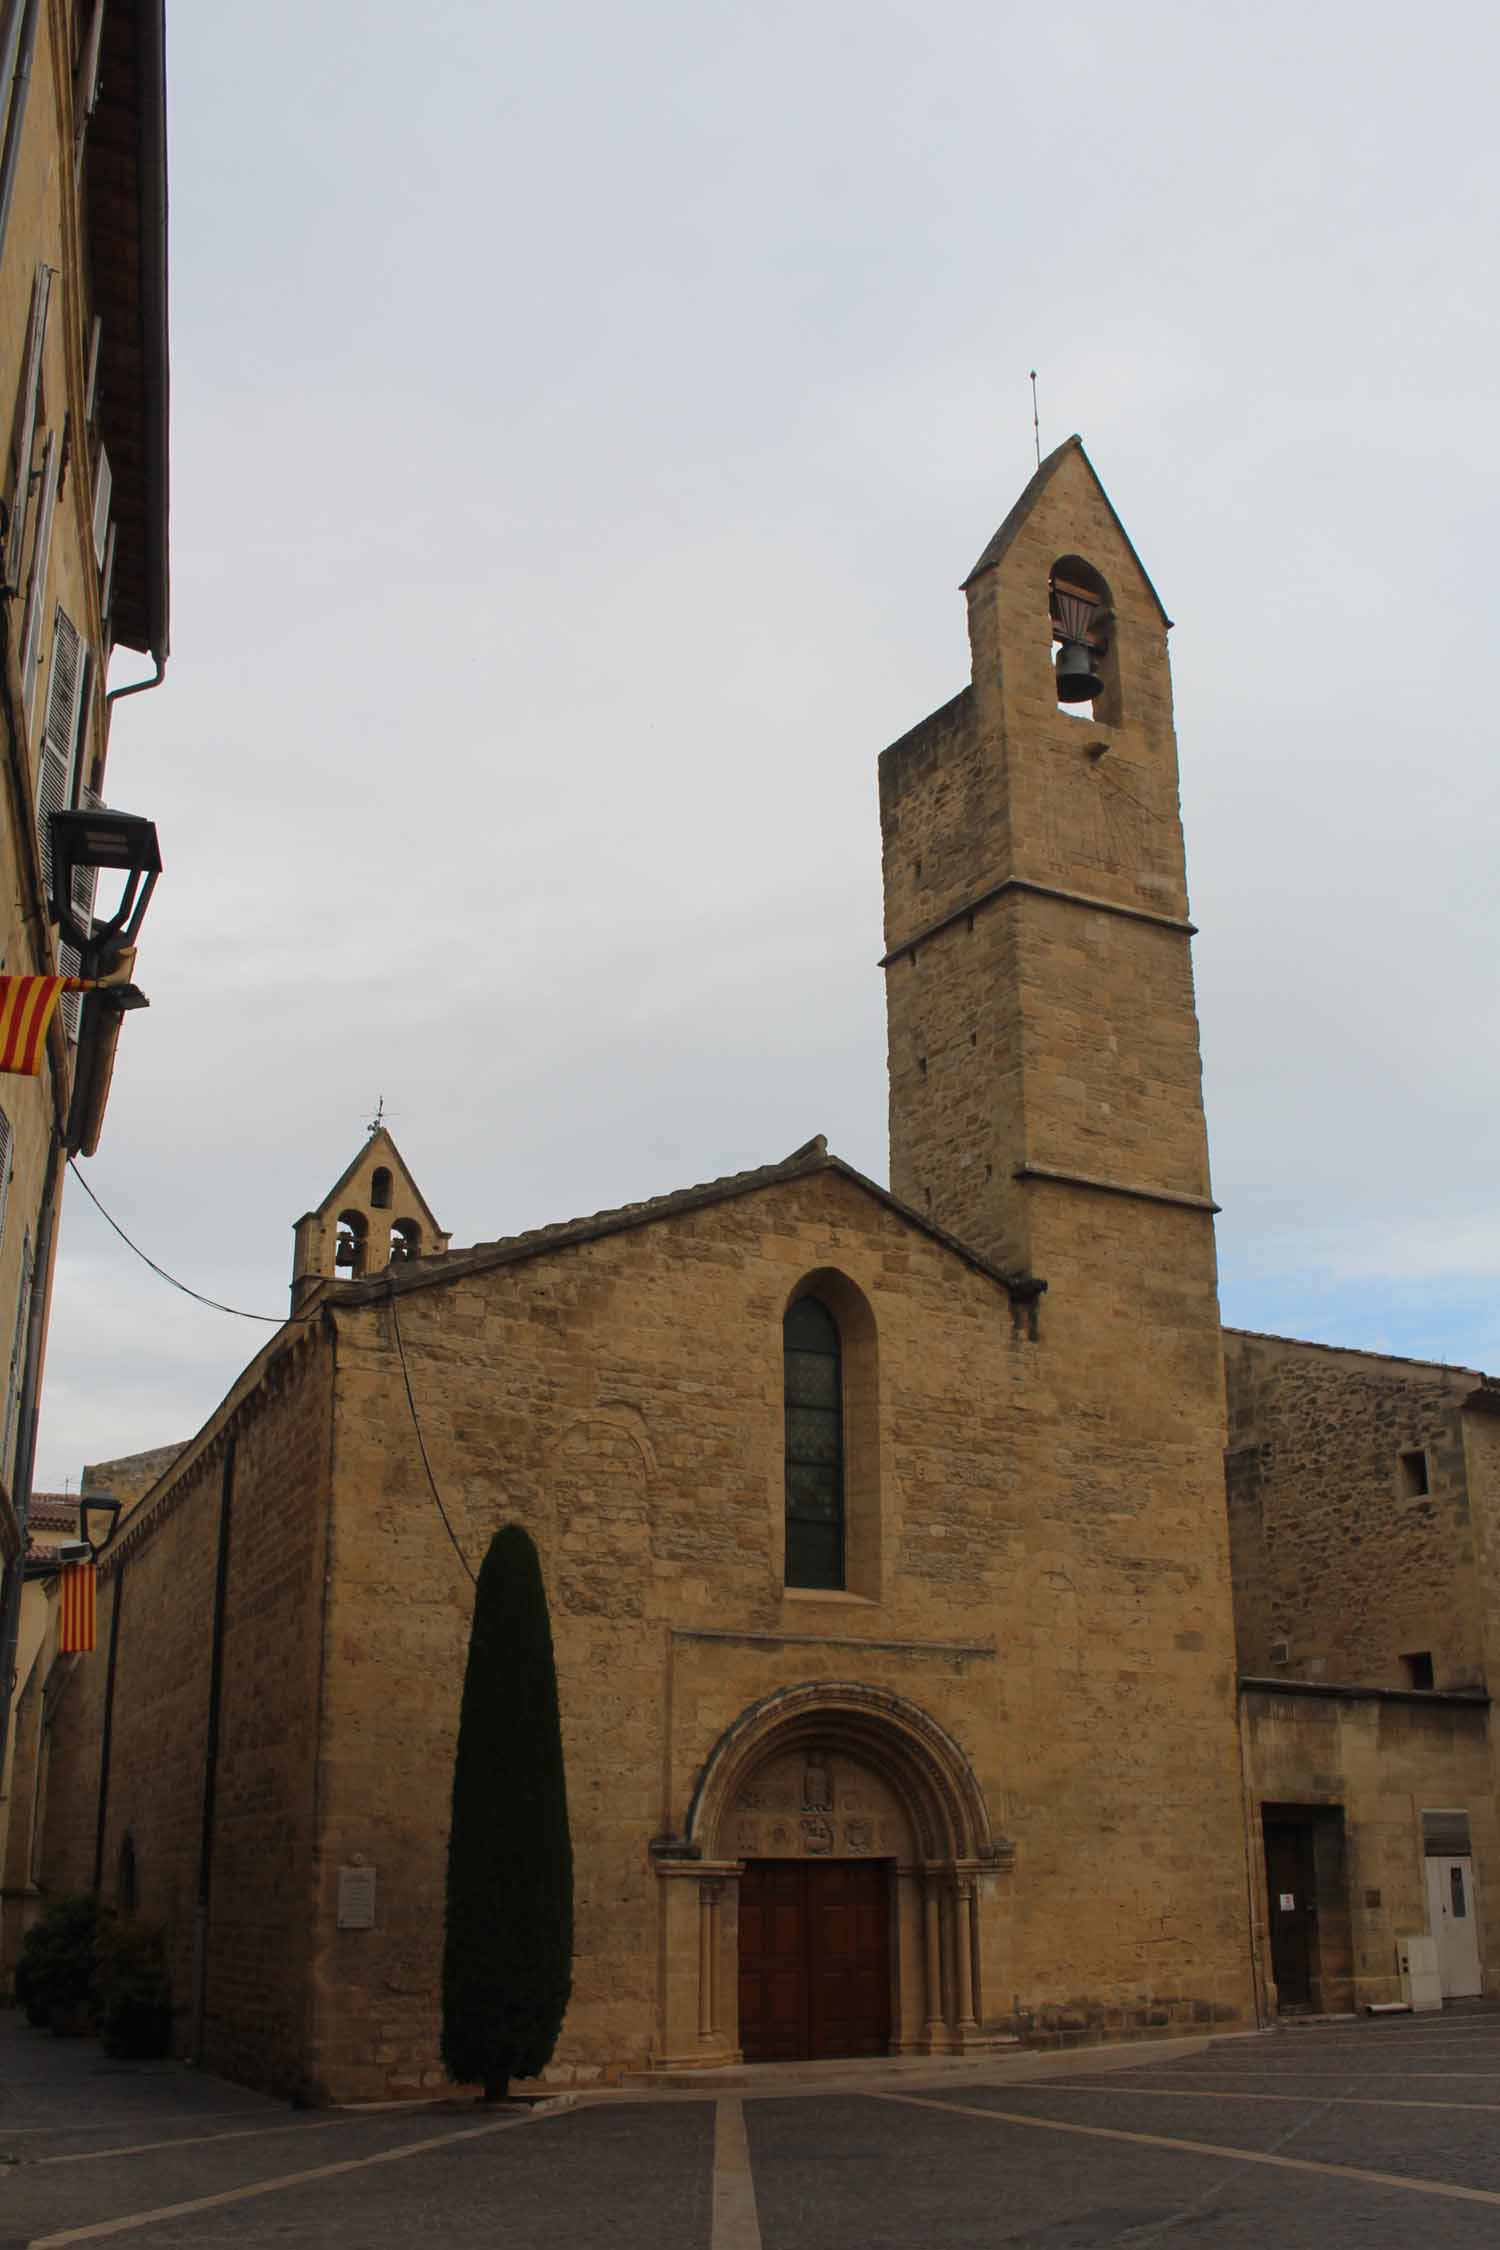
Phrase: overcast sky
(582, 419)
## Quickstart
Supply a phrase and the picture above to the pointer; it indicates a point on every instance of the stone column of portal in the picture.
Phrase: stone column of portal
(963, 1955)
(933, 1906)
(708, 1956)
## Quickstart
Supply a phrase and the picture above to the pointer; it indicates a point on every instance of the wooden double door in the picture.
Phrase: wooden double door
(815, 1959)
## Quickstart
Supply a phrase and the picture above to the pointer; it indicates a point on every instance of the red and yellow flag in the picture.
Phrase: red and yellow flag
(26, 1005)
(75, 1609)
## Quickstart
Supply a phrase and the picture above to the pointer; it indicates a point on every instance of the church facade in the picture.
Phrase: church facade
(884, 1532)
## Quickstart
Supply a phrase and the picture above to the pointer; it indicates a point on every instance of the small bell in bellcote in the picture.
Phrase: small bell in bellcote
(346, 1251)
(1077, 680)
(1080, 617)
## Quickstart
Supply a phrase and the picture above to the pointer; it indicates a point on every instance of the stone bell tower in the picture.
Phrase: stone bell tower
(373, 1216)
(1045, 1090)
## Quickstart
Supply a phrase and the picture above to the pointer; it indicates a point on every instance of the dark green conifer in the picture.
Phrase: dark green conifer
(508, 1931)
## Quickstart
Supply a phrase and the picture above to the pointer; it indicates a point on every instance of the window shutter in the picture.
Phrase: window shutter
(54, 789)
(103, 482)
(91, 382)
(5, 1155)
(69, 961)
(107, 580)
(31, 631)
(28, 405)
(17, 1359)
(86, 79)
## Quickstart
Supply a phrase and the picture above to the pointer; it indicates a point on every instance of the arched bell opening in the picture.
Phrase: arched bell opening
(406, 1241)
(1085, 665)
(351, 1249)
(829, 1807)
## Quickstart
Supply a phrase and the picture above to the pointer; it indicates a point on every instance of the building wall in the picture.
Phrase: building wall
(1381, 1762)
(43, 229)
(1331, 1555)
(255, 1973)
(1067, 1623)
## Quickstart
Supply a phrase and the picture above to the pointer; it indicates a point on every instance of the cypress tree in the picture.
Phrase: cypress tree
(508, 1929)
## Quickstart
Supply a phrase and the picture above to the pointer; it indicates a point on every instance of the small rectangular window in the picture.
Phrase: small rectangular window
(1414, 1473)
(1418, 1668)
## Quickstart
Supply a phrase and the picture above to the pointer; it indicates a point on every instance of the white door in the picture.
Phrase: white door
(1450, 1906)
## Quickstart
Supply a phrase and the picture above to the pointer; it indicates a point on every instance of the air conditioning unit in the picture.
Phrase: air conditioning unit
(1421, 1984)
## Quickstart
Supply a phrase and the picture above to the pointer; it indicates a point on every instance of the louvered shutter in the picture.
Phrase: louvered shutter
(54, 788)
(31, 631)
(30, 400)
(86, 81)
(85, 883)
(91, 380)
(17, 1360)
(5, 1154)
(107, 581)
(103, 482)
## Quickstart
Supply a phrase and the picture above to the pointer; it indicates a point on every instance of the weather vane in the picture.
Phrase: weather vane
(1036, 425)
(378, 1119)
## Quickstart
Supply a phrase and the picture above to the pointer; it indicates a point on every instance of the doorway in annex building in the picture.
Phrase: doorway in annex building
(815, 1959)
(1312, 1958)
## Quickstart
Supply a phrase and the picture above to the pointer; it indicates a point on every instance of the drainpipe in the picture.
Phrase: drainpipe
(211, 1760)
(15, 118)
(139, 687)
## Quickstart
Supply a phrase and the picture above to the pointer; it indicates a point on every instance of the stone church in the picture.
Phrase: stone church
(885, 1532)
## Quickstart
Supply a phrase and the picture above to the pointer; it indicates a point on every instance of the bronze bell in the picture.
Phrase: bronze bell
(1077, 681)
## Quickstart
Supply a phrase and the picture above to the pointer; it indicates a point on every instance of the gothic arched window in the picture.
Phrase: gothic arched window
(814, 1446)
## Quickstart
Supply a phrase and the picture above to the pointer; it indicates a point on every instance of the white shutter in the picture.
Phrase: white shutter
(91, 381)
(31, 631)
(30, 400)
(86, 79)
(17, 1359)
(107, 581)
(54, 788)
(5, 1157)
(69, 961)
(103, 482)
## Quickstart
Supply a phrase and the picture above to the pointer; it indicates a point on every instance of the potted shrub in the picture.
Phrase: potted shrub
(55, 1973)
(133, 1992)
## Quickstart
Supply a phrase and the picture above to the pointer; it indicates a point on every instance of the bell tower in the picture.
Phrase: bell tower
(1045, 1089)
(372, 1217)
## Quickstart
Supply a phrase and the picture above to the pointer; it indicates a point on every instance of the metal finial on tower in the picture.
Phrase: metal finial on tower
(378, 1119)
(1036, 422)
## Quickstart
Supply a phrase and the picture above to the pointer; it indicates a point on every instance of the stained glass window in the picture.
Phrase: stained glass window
(814, 1447)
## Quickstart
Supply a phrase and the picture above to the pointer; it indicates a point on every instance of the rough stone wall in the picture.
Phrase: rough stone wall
(1032, 1029)
(261, 1873)
(1053, 1591)
(1382, 1763)
(1331, 1555)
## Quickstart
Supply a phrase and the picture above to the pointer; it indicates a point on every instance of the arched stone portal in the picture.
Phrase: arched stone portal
(839, 1776)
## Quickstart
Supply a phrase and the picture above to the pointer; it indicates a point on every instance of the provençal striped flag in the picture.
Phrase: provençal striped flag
(75, 1614)
(26, 1005)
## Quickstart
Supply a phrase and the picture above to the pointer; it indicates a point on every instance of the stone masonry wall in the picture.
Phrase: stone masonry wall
(1055, 1603)
(1331, 1554)
(1382, 1763)
(167, 1560)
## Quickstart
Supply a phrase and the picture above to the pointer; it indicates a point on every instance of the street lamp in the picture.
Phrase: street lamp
(100, 841)
(103, 841)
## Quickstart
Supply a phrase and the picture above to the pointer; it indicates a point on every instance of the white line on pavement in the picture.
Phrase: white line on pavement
(1187, 2148)
(735, 2223)
(133, 2219)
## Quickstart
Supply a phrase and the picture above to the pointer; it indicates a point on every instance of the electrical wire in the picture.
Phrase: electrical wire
(272, 1320)
(421, 1441)
(280, 1320)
